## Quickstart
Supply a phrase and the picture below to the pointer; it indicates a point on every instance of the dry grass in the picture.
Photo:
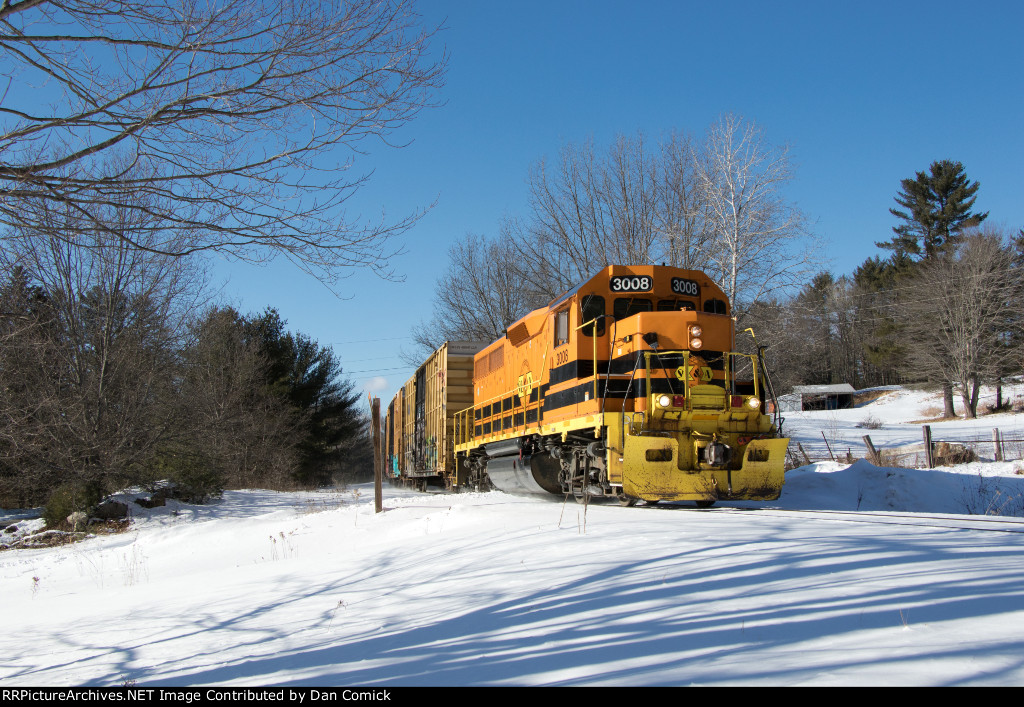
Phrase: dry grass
(870, 396)
(327, 503)
(933, 413)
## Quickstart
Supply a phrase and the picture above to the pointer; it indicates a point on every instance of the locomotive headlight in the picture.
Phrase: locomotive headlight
(695, 331)
(664, 401)
(754, 403)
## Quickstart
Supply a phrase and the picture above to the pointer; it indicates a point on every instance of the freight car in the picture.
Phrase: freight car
(419, 423)
(626, 387)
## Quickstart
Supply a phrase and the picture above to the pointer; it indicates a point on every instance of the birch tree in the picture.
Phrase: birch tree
(759, 238)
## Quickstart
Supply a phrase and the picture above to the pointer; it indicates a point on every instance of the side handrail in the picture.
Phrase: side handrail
(769, 389)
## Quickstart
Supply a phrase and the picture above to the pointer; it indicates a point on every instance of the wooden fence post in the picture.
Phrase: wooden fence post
(828, 446)
(927, 430)
(378, 462)
(872, 453)
(998, 454)
(807, 459)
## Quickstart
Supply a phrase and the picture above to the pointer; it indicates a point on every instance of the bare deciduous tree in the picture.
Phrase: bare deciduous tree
(480, 294)
(682, 213)
(963, 311)
(87, 384)
(589, 212)
(715, 207)
(759, 246)
(237, 120)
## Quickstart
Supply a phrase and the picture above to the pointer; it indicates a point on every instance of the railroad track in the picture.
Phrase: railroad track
(998, 524)
(993, 524)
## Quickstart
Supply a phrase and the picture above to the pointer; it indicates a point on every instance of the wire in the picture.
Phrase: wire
(370, 341)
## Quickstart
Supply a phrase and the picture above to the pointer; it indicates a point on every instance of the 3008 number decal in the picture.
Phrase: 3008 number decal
(631, 284)
(685, 287)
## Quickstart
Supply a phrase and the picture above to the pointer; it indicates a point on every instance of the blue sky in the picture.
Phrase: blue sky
(865, 94)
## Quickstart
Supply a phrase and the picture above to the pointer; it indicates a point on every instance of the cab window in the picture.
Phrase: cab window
(561, 327)
(593, 307)
(676, 305)
(715, 306)
(628, 306)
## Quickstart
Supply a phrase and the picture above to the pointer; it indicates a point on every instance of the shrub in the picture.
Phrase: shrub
(870, 423)
(197, 478)
(70, 497)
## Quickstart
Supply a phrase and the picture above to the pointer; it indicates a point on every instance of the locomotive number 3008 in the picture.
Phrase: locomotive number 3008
(685, 287)
(630, 284)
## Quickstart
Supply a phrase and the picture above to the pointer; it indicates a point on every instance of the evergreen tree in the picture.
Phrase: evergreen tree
(877, 284)
(938, 207)
(812, 308)
(309, 378)
(330, 405)
(234, 431)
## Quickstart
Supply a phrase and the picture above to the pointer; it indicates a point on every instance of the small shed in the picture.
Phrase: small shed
(818, 397)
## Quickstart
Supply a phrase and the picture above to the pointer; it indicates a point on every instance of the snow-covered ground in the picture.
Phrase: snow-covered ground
(270, 588)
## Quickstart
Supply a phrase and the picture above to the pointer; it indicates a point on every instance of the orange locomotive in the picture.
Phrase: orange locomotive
(626, 387)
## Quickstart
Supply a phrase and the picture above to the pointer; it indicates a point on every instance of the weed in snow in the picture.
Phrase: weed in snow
(984, 497)
(283, 549)
(133, 567)
(340, 605)
(870, 423)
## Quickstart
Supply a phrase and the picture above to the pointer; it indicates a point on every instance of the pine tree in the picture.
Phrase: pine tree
(813, 307)
(310, 378)
(938, 208)
(877, 285)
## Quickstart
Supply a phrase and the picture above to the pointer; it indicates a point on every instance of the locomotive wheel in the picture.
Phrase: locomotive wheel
(625, 500)
(705, 504)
